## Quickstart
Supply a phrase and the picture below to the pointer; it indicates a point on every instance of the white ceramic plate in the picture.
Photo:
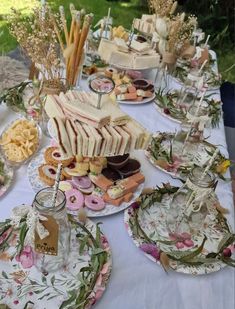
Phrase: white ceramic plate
(147, 100)
(37, 185)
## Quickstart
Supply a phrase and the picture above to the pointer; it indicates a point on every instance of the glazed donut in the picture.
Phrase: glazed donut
(53, 156)
(75, 199)
(94, 202)
(83, 182)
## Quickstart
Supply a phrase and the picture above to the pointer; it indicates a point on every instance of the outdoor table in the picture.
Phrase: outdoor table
(136, 282)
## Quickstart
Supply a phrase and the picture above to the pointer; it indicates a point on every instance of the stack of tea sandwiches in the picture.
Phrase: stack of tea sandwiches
(82, 129)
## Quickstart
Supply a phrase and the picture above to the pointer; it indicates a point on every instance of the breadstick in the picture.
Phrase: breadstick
(72, 11)
(72, 60)
(84, 33)
(64, 22)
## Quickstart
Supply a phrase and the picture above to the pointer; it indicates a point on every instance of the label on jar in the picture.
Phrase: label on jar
(49, 244)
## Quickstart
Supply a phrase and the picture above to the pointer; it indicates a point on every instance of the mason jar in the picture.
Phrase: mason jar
(199, 114)
(189, 205)
(195, 79)
(50, 261)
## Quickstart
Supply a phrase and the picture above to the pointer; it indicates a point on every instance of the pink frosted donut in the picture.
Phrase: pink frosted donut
(75, 199)
(94, 202)
(81, 182)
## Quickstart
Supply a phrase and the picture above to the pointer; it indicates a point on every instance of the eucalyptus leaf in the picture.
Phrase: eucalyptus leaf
(4, 274)
(53, 279)
(3, 306)
(97, 251)
(70, 300)
(196, 252)
(226, 241)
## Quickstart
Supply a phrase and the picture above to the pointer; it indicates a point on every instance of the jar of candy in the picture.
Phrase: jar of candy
(52, 251)
(189, 205)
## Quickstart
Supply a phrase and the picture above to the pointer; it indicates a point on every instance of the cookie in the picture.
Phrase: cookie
(47, 173)
(53, 156)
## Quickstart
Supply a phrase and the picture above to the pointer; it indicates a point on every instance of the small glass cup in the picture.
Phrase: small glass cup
(43, 204)
(100, 84)
(188, 208)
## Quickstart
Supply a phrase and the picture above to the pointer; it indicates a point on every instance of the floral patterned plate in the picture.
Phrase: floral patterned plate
(37, 185)
(6, 176)
(196, 253)
(211, 76)
(83, 280)
(165, 153)
(166, 104)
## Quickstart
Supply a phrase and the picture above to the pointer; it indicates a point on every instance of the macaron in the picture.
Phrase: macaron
(75, 199)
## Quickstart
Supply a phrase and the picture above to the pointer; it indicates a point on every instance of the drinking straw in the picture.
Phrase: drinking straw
(187, 137)
(210, 163)
(200, 102)
(56, 185)
(107, 22)
(207, 39)
(204, 63)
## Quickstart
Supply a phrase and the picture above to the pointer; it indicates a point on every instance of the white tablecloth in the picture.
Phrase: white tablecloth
(136, 282)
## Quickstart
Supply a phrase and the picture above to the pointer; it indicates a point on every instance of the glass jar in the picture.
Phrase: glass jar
(43, 205)
(188, 208)
(199, 114)
(194, 79)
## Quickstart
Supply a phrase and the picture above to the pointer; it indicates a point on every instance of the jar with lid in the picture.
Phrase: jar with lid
(189, 205)
(52, 254)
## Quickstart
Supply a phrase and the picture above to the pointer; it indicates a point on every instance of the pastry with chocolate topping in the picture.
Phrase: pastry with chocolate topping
(132, 167)
(117, 162)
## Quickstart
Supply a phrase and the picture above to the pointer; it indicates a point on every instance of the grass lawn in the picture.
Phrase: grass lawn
(122, 13)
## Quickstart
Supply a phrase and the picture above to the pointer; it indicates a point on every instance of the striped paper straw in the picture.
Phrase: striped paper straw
(56, 185)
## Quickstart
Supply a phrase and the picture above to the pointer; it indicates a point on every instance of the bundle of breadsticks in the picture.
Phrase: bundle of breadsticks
(75, 39)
